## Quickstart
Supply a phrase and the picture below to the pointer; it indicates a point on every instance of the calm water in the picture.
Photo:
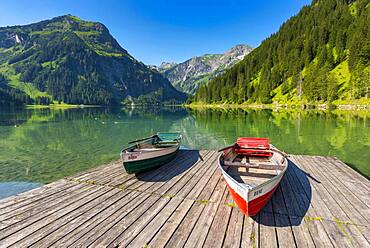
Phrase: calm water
(49, 144)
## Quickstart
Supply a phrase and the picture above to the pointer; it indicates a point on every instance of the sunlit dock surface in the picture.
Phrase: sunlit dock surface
(321, 202)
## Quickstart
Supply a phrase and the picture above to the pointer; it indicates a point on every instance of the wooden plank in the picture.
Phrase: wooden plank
(127, 178)
(113, 164)
(166, 180)
(197, 235)
(301, 196)
(364, 230)
(198, 179)
(120, 224)
(267, 232)
(171, 174)
(285, 237)
(359, 212)
(65, 226)
(180, 189)
(30, 215)
(354, 235)
(302, 234)
(39, 205)
(159, 220)
(141, 232)
(66, 219)
(149, 178)
(250, 234)
(116, 170)
(13, 202)
(216, 233)
(165, 232)
(123, 224)
(152, 228)
(128, 213)
(278, 203)
(99, 223)
(331, 207)
(234, 229)
(300, 230)
(291, 203)
(190, 226)
(111, 176)
(194, 227)
(351, 173)
(334, 234)
(98, 173)
(9, 237)
(361, 194)
(157, 182)
(344, 195)
(169, 228)
(312, 189)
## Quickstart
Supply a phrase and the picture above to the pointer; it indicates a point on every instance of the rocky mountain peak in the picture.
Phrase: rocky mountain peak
(188, 75)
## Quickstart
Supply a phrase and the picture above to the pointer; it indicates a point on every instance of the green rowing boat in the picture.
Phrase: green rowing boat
(151, 152)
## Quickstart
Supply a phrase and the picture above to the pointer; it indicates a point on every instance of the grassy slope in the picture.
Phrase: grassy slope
(15, 82)
(14, 79)
(340, 72)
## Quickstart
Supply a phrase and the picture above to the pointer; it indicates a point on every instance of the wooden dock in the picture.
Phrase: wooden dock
(321, 202)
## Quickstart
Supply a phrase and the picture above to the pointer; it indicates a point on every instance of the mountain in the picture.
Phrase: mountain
(321, 55)
(70, 60)
(188, 75)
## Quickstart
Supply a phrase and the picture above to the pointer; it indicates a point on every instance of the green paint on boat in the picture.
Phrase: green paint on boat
(148, 164)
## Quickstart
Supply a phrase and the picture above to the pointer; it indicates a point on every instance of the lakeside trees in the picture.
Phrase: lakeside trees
(321, 54)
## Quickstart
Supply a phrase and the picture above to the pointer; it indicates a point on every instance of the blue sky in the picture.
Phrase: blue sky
(162, 30)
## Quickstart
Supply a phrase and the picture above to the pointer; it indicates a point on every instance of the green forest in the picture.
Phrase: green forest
(321, 55)
(69, 60)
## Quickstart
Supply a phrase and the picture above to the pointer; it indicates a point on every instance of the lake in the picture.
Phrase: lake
(43, 145)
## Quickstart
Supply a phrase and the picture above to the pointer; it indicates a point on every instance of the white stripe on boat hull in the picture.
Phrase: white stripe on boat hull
(143, 155)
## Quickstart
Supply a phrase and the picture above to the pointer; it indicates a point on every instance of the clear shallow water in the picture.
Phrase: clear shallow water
(46, 145)
(12, 188)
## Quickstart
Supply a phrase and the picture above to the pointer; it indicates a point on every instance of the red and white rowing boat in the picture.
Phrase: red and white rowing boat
(252, 169)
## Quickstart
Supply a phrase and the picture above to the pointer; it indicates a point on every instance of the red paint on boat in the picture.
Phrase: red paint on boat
(242, 204)
(253, 207)
(257, 204)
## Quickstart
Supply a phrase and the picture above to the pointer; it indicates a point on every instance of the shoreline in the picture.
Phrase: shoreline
(60, 106)
(324, 107)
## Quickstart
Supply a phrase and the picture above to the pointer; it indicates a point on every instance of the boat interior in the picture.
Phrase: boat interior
(151, 145)
(252, 170)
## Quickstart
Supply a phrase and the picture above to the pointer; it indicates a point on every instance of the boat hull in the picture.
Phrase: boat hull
(141, 162)
(254, 206)
(251, 200)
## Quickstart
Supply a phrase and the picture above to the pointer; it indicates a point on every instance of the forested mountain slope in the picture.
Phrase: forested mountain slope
(320, 55)
(69, 60)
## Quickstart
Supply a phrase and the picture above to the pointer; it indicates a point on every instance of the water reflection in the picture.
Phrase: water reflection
(43, 145)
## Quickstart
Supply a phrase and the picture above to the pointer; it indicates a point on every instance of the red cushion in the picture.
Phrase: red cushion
(262, 146)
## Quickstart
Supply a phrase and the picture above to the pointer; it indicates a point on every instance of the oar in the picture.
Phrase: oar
(227, 147)
(138, 140)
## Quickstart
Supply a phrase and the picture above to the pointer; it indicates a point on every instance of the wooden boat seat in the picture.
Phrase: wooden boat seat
(251, 177)
(255, 165)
